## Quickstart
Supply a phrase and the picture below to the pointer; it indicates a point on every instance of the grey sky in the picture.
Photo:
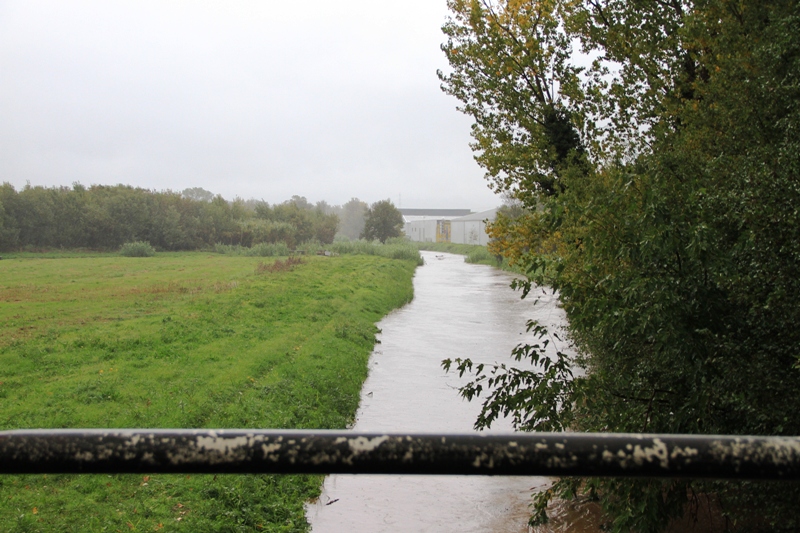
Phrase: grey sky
(258, 99)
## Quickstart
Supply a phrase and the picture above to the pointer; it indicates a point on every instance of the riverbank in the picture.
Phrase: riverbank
(183, 340)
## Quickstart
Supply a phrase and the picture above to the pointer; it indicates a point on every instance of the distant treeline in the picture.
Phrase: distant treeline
(105, 217)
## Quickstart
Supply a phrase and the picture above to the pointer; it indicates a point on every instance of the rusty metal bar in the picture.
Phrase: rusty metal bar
(285, 452)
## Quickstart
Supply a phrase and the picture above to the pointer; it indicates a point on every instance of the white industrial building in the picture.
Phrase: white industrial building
(447, 225)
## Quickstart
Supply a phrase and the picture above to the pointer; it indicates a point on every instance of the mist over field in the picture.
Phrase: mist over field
(252, 99)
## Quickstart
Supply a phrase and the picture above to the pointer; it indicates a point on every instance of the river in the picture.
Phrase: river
(459, 310)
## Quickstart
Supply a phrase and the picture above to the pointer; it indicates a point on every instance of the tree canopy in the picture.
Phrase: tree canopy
(351, 218)
(382, 221)
(660, 172)
(105, 217)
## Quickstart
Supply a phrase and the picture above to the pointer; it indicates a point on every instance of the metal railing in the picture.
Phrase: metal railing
(324, 452)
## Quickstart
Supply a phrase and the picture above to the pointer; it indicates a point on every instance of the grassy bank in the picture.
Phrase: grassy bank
(182, 340)
(392, 250)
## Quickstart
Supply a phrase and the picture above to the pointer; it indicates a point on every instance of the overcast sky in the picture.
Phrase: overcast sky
(327, 99)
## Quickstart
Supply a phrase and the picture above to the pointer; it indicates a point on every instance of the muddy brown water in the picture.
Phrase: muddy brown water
(459, 310)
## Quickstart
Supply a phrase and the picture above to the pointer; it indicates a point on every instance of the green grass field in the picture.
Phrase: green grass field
(182, 340)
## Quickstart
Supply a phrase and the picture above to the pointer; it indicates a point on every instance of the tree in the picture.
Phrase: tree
(514, 79)
(198, 194)
(300, 201)
(8, 230)
(351, 218)
(324, 225)
(670, 228)
(382, 221)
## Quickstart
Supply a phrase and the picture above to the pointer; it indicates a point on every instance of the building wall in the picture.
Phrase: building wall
(469, 232)
(443, 231)
(470, 229)
(421, 230)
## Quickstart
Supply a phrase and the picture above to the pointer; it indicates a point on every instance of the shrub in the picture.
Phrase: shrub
(137, 249)
(480, 255)
(229, 249)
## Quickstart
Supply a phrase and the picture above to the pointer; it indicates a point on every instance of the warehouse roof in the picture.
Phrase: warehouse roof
(483, 215)
(434, 212)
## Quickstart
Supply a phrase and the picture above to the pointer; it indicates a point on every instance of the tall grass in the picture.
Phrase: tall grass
(263, 249)
(393, 249)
